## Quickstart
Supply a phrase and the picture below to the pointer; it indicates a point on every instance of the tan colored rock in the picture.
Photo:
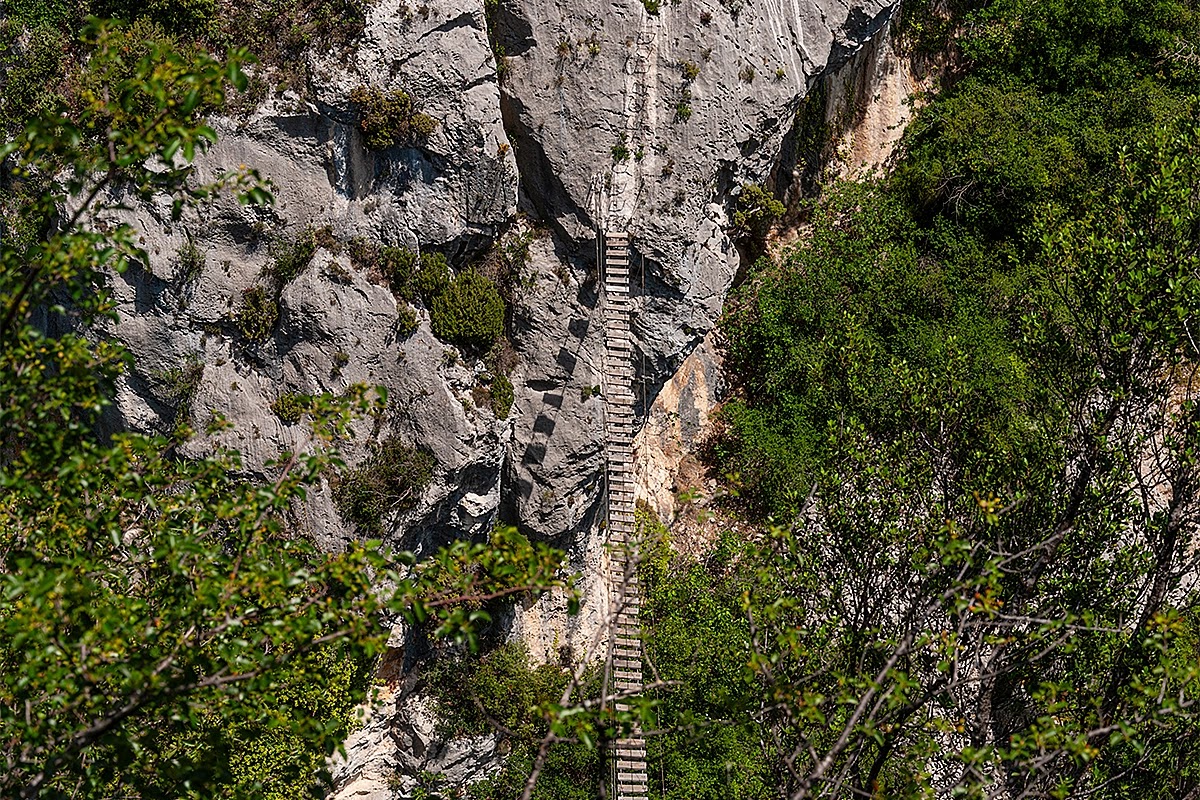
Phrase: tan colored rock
(680, 423)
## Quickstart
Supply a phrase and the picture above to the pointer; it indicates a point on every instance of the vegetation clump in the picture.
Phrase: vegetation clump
(291, 407)
(189, 261)
(178, 387)
(51, 69)
(399, 267)
(501, 688)
(502, 396)
(390, 119)
(257, 314)
(620, 150)
(390, 481)
(469, 313)
(754, 212)
(683, 106)
(290, 257)
(432, 277)
(407, 321)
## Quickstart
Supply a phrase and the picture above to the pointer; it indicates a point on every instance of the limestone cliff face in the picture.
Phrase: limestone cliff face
(650, 123)
(608, 117)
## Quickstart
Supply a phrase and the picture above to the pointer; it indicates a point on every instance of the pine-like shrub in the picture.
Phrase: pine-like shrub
(470, 313)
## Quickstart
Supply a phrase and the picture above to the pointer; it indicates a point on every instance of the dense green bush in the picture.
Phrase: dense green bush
(257, 314)
(408, 275)
(279, 33)
(921, 278)
(848, 331)
(198, 19)
(399, 266)
(390, 481)
(31, 74)
(388, 119)
(290, 407)
(470, 312)
(502, 396)
(53, 14)
(276, 754)
(432, 277)
(754, 212)
(698, 639)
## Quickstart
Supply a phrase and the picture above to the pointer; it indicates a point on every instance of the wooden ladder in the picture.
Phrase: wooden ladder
(625, 652)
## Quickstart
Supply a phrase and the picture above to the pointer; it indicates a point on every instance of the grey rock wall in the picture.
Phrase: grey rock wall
(579, 81)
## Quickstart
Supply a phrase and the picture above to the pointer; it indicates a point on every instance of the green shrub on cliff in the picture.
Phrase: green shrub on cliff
(502, 396)
(390, 481)
(754, 212)
(291, 407)
(432, 277)
(257, 314)
(470, 312)
(388, 119)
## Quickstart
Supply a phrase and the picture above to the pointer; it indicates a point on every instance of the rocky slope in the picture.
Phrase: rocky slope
(607, 118)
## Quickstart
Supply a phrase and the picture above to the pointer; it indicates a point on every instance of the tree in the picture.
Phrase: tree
(163, 625)
(990, 588)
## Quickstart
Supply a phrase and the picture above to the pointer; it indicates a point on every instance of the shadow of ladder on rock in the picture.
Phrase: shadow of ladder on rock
(625, 651)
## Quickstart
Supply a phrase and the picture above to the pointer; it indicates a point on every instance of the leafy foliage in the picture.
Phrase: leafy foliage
(945, 398)
(164, 629)
(178, 386)
(399, 266)
(41, 63)
(454, 593)
(502, 689)
(698, 640)
(30, 72)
